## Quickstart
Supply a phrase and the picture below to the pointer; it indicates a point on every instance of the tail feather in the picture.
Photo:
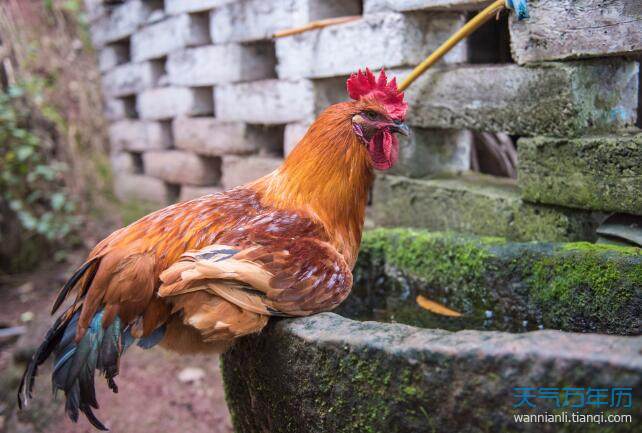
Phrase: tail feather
(75, 363)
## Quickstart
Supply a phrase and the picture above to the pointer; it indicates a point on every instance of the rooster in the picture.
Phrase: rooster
(196, 275)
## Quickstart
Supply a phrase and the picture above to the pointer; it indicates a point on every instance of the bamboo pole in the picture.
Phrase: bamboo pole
(316, 25)
(491, 11)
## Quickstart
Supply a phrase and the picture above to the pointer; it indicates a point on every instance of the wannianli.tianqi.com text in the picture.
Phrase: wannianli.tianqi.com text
(573, 417)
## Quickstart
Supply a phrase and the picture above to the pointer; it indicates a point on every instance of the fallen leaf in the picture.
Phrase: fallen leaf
(436, 307)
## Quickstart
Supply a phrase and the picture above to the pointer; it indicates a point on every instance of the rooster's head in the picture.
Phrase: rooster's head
(379, 113)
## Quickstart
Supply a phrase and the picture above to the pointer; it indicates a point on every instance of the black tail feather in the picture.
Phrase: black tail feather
(71, 283)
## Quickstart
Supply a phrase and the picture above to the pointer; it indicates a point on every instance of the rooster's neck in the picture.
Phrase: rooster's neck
(328, 174)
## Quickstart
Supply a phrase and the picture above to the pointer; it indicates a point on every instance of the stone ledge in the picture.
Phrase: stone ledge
(329, 374)
(475, 204)
(497, 285)
(601, 173)
(372, 6)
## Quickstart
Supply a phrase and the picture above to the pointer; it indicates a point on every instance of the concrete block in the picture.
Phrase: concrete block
(601, 173)
(180, 6)
(131, 78)
(180, 167)
(140, 136)
(94, 9)
(294, 132)
(431, 151)
(475, 204)
(113, 55)
(241, 170)
(121, 21)
(374, 6)
(116, 109)
(216, 64)
(569, 29)
(258, 19)
(169, 102)
(393, 40)
(556, 99)
(191, 192)
(123, 162)
(212, 137)
(265, 102)
(141, 188)
(159, 39)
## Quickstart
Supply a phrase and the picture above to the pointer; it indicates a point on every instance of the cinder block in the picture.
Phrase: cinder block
(123, 162)
(159, 39)
(432, 151)
(565, 29)
(241, 170)
(373, 6)
(180, 167)
(252, 20)
(141, 187)
(115, 109)
(475, 204)
(191, 192)
(216, 64)
(169, 102)
(121, 21)
(265, 102)
(601, 173)
(131, 78)
(140, 136)
(294, 132)
(212, 137)
(390, 40)
(113, 55)
(555, 99)
(180, 6)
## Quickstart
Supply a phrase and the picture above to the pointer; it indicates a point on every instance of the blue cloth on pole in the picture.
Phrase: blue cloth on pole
(520, 7)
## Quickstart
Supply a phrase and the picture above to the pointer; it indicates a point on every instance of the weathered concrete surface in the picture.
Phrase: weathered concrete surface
(216, 64)
(131, 78)
(556, 99)
(112, 55)
(373, 6)
(141, 188)
(475, 204)
(252, 20)
(159, 39)
(180, 167)
(212, 137)
(393, 40)
(602, 173)
(121, 21)
(181, 6)
(140, 136)
(189, 192)
(563, 29)
(165, 103)
(495, 284)
(430, 151)
(238, 171)
(329, 374)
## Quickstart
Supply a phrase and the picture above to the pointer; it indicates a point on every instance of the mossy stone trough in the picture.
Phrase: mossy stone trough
(347, 373)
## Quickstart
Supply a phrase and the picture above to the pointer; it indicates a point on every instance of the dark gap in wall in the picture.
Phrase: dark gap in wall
(173, 192)
(494, 153)
(330, 9)
(122, 51)
(200, 29)
(329, 91)
(490, 43)
(204, 101)
(130, 107)
(268, 139)
(159, 70)
(139, 167)
(167, 132)
(260, 58)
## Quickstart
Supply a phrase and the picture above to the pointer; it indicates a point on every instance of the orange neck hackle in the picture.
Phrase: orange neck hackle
(329, 175)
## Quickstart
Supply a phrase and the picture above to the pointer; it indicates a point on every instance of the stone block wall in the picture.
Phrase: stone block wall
(202, 98)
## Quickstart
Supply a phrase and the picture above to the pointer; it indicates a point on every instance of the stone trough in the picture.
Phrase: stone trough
(359, 371)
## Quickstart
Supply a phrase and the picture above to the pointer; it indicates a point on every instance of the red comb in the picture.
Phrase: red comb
(364, 84)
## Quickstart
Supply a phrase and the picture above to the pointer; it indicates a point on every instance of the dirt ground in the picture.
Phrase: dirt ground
(158, 390)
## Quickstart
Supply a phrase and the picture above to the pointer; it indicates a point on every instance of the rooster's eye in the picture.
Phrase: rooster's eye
(372, 115)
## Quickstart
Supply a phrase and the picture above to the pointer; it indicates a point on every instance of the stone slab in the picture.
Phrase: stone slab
(181, 6)
(602, 173)
(168, 102)
(121, 21)
(141, 188)
(556, 99)
(180, 167)
(140, 136)
(475, 204)
(159, 39)
(189, 192)
(210, 136)
(569, 29)
(241, 170)
(339, 375)
(373, 6)
(131, 78)
(394, 40)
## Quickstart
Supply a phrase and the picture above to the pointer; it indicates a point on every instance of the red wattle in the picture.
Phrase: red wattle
(384, 150)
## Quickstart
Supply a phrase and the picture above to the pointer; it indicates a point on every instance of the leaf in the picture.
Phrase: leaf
(436, 307)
